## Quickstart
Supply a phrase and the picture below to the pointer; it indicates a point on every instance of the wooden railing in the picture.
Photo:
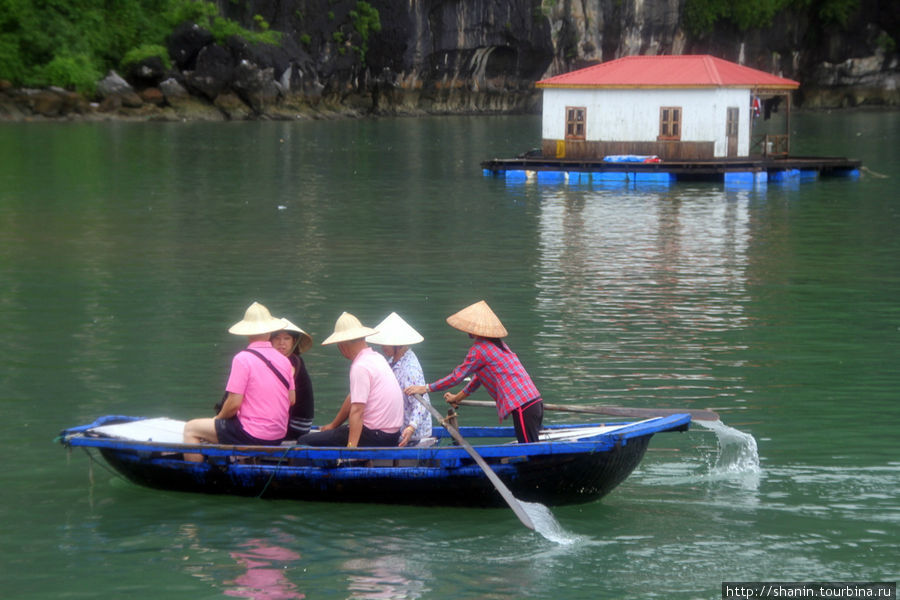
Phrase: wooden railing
(771, 145)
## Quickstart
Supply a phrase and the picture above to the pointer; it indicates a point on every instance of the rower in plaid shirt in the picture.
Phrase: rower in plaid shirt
(492, 364)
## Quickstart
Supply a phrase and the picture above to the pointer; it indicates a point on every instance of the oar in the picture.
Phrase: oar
(513, 502)
(617, 411)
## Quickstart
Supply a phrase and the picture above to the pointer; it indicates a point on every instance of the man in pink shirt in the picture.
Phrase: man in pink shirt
(374, 408)
(260, 391)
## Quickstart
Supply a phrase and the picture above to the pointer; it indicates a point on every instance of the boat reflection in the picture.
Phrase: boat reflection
(264, 578)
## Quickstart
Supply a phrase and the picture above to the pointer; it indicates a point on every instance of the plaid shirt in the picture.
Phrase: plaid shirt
(501, 373)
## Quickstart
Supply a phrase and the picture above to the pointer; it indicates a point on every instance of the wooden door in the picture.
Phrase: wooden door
(731, 130)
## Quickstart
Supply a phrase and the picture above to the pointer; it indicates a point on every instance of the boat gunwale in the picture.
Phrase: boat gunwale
(81, 436)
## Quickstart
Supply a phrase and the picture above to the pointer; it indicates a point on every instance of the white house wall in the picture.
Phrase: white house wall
(632, 115)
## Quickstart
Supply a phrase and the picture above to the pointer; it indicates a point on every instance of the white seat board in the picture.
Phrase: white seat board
(162, 429)
(580, 433)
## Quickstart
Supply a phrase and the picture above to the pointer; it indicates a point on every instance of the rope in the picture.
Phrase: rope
(275, 470)
(106, 468)
(874, 173)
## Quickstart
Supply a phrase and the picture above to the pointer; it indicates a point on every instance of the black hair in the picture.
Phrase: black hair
(498, 342)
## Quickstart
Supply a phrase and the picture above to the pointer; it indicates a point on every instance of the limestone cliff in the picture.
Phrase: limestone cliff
(484, 55)
(470, 56)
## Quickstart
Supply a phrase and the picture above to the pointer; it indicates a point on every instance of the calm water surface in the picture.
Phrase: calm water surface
(127, 250)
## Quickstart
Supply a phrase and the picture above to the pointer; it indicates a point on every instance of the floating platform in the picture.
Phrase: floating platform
(741, 171)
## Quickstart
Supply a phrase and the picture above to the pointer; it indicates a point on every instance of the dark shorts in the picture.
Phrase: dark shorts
(527, 420)
(230, 431)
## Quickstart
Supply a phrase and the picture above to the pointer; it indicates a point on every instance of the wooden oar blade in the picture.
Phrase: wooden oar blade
(507, 495)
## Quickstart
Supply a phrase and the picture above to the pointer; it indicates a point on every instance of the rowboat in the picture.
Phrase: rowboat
(571, 464)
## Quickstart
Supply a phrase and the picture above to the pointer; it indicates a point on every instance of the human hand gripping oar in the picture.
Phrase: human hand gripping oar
(513, 502)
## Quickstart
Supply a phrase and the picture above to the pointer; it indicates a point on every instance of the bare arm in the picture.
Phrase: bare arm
(342, 415)
(231, 406)
(356, 424)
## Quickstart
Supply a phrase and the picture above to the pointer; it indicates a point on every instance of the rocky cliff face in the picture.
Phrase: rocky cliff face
(475, 56)
(484, 55)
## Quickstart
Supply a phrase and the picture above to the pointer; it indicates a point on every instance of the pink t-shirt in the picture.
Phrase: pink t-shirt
(373, 383)
(264, 411)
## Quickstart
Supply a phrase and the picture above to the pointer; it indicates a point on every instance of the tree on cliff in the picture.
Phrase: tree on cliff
(72, 43)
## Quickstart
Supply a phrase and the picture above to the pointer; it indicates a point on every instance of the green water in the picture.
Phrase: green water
(127, 250)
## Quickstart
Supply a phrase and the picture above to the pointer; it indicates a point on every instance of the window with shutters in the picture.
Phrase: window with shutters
(575, 122)
(670, 123)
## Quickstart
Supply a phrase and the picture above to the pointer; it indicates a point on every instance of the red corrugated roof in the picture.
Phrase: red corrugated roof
(668, 71)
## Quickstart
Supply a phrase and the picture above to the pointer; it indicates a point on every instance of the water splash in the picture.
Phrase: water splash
(547, 525)
(738, 453)
(737, 457)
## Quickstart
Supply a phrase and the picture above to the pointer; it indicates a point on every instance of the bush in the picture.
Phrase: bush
(701, 16)
(885, 42)
(366, 20)
(141, 53)
(11, 66)
(70, 43)
(74, 72)
(222, 28)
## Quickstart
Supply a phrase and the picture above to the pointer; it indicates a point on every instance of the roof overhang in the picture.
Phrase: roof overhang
(668, 72)
(761, 88)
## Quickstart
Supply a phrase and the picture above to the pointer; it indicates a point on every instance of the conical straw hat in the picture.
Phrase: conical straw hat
(347, 328)
(394, 331)
(257, 320)
(305, 342)
(478, 319)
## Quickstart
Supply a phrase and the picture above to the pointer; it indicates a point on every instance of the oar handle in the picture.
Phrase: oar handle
(616, 411)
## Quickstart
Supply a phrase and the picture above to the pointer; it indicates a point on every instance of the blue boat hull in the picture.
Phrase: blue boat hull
(551, 480)
(553, 472)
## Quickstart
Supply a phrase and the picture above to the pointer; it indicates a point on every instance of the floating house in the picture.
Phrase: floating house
(681, 116)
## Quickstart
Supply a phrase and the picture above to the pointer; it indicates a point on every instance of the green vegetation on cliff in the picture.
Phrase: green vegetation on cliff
(73, 43)
(366, 20)
(701, 16)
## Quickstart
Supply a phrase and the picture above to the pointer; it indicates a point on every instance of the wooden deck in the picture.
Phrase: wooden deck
(682, 170)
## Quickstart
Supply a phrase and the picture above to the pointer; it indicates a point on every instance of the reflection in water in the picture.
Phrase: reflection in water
(264, 565)
(265, 578)
(641, 299)
(383, 577)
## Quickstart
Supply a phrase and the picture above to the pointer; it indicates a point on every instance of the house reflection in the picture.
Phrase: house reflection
(383, 577)
(641, 291)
